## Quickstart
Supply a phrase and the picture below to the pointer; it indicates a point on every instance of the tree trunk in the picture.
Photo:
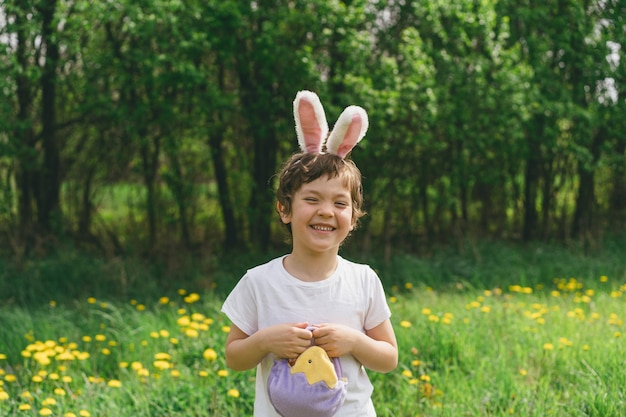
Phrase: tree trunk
(531, 179)
(583, 224)
(617, 199)
(48, 193)
(231, 229)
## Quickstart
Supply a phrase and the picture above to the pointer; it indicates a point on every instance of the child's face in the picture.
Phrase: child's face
(321, 215)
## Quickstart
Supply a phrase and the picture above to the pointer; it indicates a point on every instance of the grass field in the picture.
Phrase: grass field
(548, 349)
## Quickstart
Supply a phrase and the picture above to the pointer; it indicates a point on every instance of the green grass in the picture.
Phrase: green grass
(489, 335)
(511, 351)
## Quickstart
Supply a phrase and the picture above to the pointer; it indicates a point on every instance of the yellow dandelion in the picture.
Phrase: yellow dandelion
(4, 395)
(407, 373)
(162, 356)
(100, 337)
(548, 346)
(114, 383)
(182, 291)
(173, 340)
(86, 339)
(164, 333)
(49, 401)
(203, 374)
(222, 373)
(69, 414)
(416, 362)
(192, 298)
(405, 323)
(2, 356)
(485, 309)
(10, 378)
(191, 333)
(233, 393)
(91, 300)
(393, 299)
(37, 378)
(175, 373)
(24, 407)
(408, 285)
(106, 351)
(66, 378)
(140, 307)
(226, 329)
(161, 365)
(523, 372)
(84, 413)
(425, 378)
(59, 391)
(617, 334)
(45, 412)
(209, 354)
(426, 311)
(154, 335)
(164, 300)
(604, 278)
(197, 317)
(183, 321)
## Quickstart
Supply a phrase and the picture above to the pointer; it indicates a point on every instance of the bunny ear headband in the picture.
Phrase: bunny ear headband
(312, 129)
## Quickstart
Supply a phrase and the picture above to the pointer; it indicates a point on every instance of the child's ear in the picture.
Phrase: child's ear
(282, 212)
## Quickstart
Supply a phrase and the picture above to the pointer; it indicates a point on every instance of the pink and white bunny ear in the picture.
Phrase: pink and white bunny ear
(311, 125)
(348, 131)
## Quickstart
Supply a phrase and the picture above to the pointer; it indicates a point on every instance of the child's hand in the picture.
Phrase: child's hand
(287, 340)
(336, 339)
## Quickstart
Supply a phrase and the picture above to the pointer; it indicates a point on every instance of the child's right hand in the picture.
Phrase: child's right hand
(287, 340)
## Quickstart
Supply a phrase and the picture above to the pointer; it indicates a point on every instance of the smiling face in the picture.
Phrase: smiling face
(304, 168)
(321, 215)
(317, 193)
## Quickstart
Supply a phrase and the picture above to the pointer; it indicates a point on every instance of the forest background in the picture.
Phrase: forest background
(151, 130)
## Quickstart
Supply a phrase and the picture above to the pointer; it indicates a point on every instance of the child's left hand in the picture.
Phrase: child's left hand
(336, 339)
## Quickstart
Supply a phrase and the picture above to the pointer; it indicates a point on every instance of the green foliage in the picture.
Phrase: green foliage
(487, 119)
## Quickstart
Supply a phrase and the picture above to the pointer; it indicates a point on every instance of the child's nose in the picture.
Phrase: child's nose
(325, 209)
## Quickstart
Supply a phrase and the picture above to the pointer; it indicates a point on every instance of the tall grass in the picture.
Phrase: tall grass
(488, 335)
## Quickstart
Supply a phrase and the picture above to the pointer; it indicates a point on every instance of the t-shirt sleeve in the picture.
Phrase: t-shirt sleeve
(240, 306)
(379, 310)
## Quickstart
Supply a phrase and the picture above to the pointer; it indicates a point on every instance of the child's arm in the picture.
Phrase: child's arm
(284, 340)
(377, 349)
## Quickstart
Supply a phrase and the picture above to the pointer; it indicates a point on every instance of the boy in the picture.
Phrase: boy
(320, 201)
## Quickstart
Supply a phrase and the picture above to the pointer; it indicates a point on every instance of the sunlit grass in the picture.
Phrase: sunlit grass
(553, 350)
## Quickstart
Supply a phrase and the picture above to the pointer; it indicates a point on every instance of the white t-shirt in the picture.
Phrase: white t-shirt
(353, 296)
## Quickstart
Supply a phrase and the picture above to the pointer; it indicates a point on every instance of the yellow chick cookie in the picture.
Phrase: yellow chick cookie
(316, 366)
